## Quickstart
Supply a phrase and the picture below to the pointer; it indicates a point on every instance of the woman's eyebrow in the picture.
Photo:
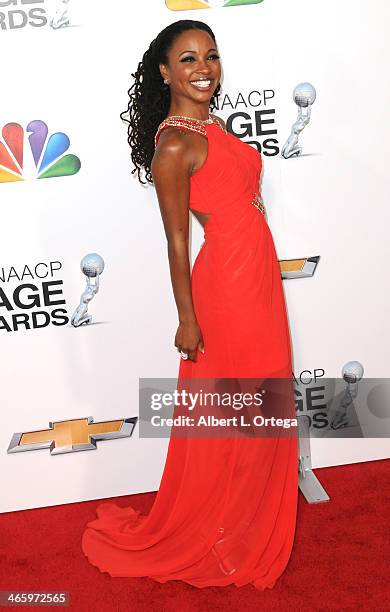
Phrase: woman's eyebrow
(189, 51)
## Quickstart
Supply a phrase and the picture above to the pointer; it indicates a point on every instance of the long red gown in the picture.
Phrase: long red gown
(225, 512)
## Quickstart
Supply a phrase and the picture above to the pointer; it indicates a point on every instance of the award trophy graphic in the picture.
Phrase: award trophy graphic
(352, 373)
(60, 18)
(92, 265)
(304, 96)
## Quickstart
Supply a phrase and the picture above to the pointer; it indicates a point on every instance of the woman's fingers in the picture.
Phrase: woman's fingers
(190, 350)
(192, 355)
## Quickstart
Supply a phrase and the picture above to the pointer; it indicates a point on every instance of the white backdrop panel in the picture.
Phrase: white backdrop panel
(331, 202)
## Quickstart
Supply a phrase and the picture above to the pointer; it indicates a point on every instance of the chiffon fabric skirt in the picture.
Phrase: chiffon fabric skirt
(225, 512)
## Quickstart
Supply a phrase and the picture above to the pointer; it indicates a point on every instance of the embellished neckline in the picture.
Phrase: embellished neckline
(188, 123)
(207, 121)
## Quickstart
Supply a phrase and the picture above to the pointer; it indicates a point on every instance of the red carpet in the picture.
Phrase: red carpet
(340, 559)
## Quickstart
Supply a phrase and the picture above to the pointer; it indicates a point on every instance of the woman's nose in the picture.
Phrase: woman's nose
(204, 67)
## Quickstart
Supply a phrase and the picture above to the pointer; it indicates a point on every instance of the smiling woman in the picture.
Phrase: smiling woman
(198, 81)
(225, 511)
(151, 94)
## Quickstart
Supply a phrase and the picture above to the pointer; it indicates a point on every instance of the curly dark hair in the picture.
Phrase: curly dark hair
(149, 97)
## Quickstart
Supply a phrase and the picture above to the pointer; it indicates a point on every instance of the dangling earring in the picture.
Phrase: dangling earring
(166, 82)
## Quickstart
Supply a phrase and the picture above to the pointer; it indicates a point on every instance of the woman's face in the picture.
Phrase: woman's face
(194, 68)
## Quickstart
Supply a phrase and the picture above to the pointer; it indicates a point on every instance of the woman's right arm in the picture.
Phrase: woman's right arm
(171, 170)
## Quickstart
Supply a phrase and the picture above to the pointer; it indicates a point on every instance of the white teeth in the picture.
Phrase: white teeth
(204, 84)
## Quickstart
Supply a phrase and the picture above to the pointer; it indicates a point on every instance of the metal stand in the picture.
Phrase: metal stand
(308, 482)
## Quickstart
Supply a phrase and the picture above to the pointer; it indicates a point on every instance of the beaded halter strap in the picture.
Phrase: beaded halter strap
(188, 123)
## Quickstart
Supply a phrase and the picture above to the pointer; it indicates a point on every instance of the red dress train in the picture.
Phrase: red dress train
(225, 512)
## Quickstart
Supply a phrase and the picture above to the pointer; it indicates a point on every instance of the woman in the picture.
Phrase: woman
(225, 512)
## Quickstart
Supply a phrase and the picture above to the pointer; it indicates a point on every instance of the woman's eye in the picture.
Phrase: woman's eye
(190, 58)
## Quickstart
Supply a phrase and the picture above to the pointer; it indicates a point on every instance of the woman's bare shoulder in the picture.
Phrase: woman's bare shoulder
(172, 142)
(172, 150)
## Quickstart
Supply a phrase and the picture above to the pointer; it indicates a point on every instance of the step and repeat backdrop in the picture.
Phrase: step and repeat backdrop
(86, 305)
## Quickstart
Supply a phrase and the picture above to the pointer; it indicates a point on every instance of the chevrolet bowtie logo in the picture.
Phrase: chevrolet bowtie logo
(71, 436)
(298, 268)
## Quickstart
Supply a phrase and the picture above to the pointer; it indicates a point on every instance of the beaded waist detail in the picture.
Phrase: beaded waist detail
(257, 201)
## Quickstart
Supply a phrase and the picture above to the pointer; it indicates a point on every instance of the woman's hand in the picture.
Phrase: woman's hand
(189, 338)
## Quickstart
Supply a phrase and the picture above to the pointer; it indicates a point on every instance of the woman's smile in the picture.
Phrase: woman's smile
(203, 84)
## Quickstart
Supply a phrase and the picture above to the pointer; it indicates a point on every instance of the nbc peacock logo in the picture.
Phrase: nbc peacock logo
(33, 153)
(188, 5)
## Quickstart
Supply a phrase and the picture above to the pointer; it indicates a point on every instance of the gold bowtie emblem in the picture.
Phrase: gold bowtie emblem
(72, 435)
